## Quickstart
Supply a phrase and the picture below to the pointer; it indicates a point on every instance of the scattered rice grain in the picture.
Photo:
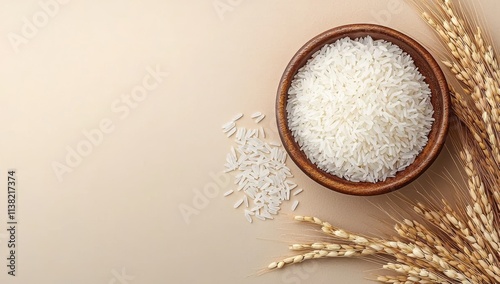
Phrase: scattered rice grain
(249, 218)
(231, 132)
(238, 203)
(245, 198)
(256, 114)
(228, 125)
(238, 116)
(260, 118)
(262, 132)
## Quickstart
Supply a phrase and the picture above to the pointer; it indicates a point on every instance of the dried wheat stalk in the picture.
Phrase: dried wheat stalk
(459, 245)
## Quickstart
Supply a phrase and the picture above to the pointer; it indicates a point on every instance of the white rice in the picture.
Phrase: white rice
(247, 215)
(272, 143)
(238, 203)
(262, 133)
(228, 126)
(360, 109)
(260, 118)
(237, 116)
(256, 114)
(261, 173)
(231, 132)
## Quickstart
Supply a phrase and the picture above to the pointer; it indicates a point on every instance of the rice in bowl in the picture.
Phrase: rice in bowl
(360, 109)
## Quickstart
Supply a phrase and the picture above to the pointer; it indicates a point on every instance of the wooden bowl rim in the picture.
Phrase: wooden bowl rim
(335, 183)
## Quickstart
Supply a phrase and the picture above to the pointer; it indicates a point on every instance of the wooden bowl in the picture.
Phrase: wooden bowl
(439, 98)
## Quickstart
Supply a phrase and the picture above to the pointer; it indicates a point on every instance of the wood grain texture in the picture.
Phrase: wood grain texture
(440, 100)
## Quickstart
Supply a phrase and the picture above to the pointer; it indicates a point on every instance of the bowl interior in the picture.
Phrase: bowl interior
(439, 99)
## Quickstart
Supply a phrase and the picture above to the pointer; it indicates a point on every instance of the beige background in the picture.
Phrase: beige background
(117, 211)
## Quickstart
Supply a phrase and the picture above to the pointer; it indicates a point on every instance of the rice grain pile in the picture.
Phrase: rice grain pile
(360, 109)
(260, 171)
